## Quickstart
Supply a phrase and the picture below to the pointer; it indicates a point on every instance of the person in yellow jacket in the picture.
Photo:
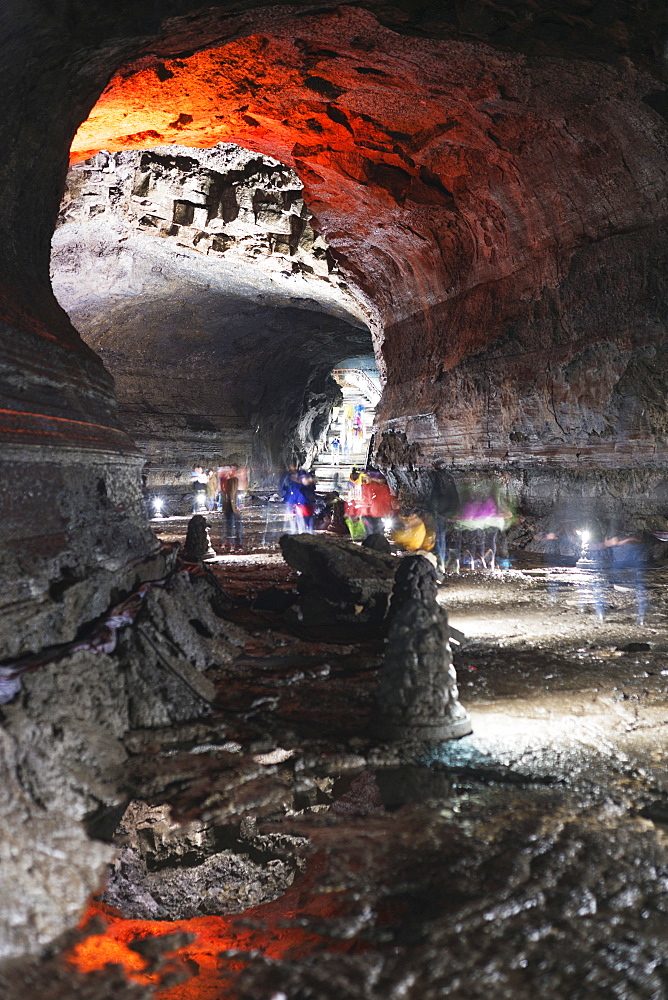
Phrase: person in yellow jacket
(414, 532)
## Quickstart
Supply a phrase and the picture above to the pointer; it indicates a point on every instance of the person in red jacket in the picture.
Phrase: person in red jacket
(378, 502)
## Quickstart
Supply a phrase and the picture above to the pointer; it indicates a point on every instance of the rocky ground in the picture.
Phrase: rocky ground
(274, 850)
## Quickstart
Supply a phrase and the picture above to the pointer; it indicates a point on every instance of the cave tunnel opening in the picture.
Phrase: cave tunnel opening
(484, 210)
(220, 329)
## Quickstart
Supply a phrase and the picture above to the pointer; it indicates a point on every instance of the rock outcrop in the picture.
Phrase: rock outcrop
(418, 696)
(63, 759)
(339, 581)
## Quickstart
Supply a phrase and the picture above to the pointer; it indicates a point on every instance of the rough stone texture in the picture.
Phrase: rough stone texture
(63, 760)
(418, 696)
(197, 545)
(242, 311)
(492, 179)
(415, 579)
(525, 859)
(77, 537)
(339, 580)
(168, 871)
(483, 176)
(512, 214)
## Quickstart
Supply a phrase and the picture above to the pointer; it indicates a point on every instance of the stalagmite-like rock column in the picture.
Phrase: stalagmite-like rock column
(418, 696)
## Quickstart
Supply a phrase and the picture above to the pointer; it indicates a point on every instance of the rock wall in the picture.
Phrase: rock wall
(504, 213)
(569, 403)
(198, 278)
(63, 759)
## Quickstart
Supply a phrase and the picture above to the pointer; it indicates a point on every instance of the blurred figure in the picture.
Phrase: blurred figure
(358, 427)
(241, 472)
(287, 488)
(378, 502)
(212, 489)
(297, 488)
(444, 505)
(355, 504)
(232, 533)
(333, 520)
(410, 531)
(335, 445)
(304, 506)
(346, 427)
(478, 525)
(198, 481)
(618, 559)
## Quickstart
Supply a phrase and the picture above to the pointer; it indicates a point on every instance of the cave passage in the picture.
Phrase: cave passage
(198, 279)
(193, 759)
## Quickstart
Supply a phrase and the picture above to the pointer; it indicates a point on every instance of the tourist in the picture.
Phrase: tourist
(378, 501)
(335, 445)
(444, 505)
(212, 489)
(304, 502)
(232, 533)
(198, 479)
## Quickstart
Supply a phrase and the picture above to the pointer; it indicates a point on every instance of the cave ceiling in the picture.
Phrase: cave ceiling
(430, 166)
(472, 196)
(197, 277)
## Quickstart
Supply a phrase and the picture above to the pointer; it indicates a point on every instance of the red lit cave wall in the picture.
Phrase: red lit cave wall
(500, 208)
(505, 215)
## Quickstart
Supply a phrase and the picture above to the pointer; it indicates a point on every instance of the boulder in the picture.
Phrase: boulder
(339, 580)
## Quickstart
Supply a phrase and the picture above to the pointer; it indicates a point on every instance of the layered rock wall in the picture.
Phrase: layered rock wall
(504, 213)
(198, 278)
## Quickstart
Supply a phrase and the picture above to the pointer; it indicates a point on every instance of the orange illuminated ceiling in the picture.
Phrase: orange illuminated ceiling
(406, 147)
(291, 97)
(385, 131)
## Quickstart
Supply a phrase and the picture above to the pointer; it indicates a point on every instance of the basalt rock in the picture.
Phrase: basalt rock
(197, 545)
(491, 180)
(170, 871)
(63, 760)
(377, 542)
(418, 697)
(414, 580)
(339, 581)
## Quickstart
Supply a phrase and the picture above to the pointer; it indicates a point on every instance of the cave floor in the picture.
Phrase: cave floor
(526, 860)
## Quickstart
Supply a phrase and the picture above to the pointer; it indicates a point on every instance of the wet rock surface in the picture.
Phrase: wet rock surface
(528, 858)
(166, 871)
(492, 179)
(63, 758)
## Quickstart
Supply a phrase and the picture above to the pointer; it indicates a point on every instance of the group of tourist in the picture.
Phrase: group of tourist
(359, 512)
(460, 531)
(222, 489)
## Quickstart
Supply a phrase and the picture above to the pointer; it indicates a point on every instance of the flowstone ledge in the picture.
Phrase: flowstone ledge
(339, 580)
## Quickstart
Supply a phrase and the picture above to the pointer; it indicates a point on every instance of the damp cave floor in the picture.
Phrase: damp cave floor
(528, 859)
